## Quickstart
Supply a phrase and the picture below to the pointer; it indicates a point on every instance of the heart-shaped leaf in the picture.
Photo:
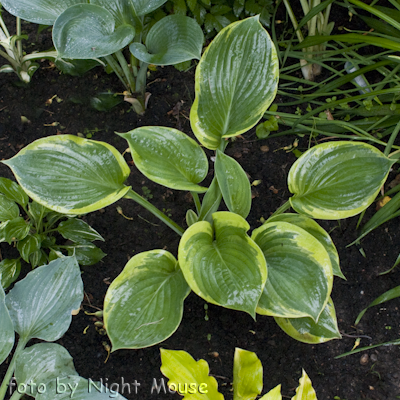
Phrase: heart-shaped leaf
(123, 11)
(222, 264)
(41, 363)
(300, 274)
(234, 184)
(78, 231)
(172, 40)
(144, 304)
(6, 329)
(319, 233)
(9, 271)
(43, 12)
(337, 180)
(13, 192)
(71, 175)
(236, 81)
(168, 157)
(88, 31)
(182, 370)
(40, 305)
(247, 375)
(308, 331)
(144, 7)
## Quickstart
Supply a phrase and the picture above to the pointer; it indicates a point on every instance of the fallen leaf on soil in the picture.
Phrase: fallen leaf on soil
(264, 148)
(382, 202)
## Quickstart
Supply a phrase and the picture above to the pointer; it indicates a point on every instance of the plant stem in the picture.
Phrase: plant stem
(196, 199)
(155, 211)
(282, 209)
(117, 70)
(19, 43)
(128, 73)
(391, 140)
(141, 79)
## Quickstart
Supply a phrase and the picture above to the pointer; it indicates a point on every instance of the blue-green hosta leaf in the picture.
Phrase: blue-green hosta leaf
(43, 12)
(168, 157)
(71, 175)
(308, 331)
(123, 11)
(144, 7)
(236, 81)
(77, 388)
(144, 304)
(300, 274)
(181, 369)
(247, 375)
(172, 40)
(41, 363)
(319, 233)
(8, 209)
(78, 231)
(222, 264)
(13, 192)
(337, 180)
(234, 184)
(40, 305)
(6, 329)
(88, 31)
(9, 271)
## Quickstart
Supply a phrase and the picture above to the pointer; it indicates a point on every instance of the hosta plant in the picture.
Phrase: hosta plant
(284, 269)
(191, 378)
(34, 234)
(101, 30)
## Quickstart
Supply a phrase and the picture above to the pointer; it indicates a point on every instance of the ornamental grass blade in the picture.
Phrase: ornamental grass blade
(318, 232)
(168, 157)
(236, 81)
(300, 274)
(89, 31)
(40, 305)
(222, 264)
(337, 180)
(182, 370)
(144, 304)
(308, 331)
(6, 329)
(71, 175)
(247, 375)
(172, 40)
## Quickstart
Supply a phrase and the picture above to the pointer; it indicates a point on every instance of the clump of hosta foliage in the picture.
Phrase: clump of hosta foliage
(284, 268)
(36, 231)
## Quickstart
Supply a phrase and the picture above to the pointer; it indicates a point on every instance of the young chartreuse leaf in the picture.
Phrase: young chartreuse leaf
(300, 274)
(89, 31)
(319, 233)
(13, 192)
(69, 174)
(308, 331)
(234, 184)
(236, 81)
(40, 305)
(172, 40)
(144, 304)
(247, 375)
(6, 328)
(9, 271)
(222, 264)
(41, 363)
(168, 157)
(337, 179)
(305, 391)
(273, 394)
(188, 377)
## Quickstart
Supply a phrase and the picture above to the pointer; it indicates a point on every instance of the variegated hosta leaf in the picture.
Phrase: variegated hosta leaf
(40, 305)
(89, 31)
(305, 391)
(222, 264)
(172, 40)
(168, 157)
(69, 174)
(41, 363)
(300, 274)
(38, 11)
(234, 184)
(247, 375)
(308, 331)
(236, 81)
(8, 209)
(78, 231)
(6, 329)
(337, 180)
(273, 394)
(182, 370)
(319, 233)
(144, 304)
(13, 192)
(9, 271)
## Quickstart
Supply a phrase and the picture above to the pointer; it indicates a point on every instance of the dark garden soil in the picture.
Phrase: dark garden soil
(376, 377)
